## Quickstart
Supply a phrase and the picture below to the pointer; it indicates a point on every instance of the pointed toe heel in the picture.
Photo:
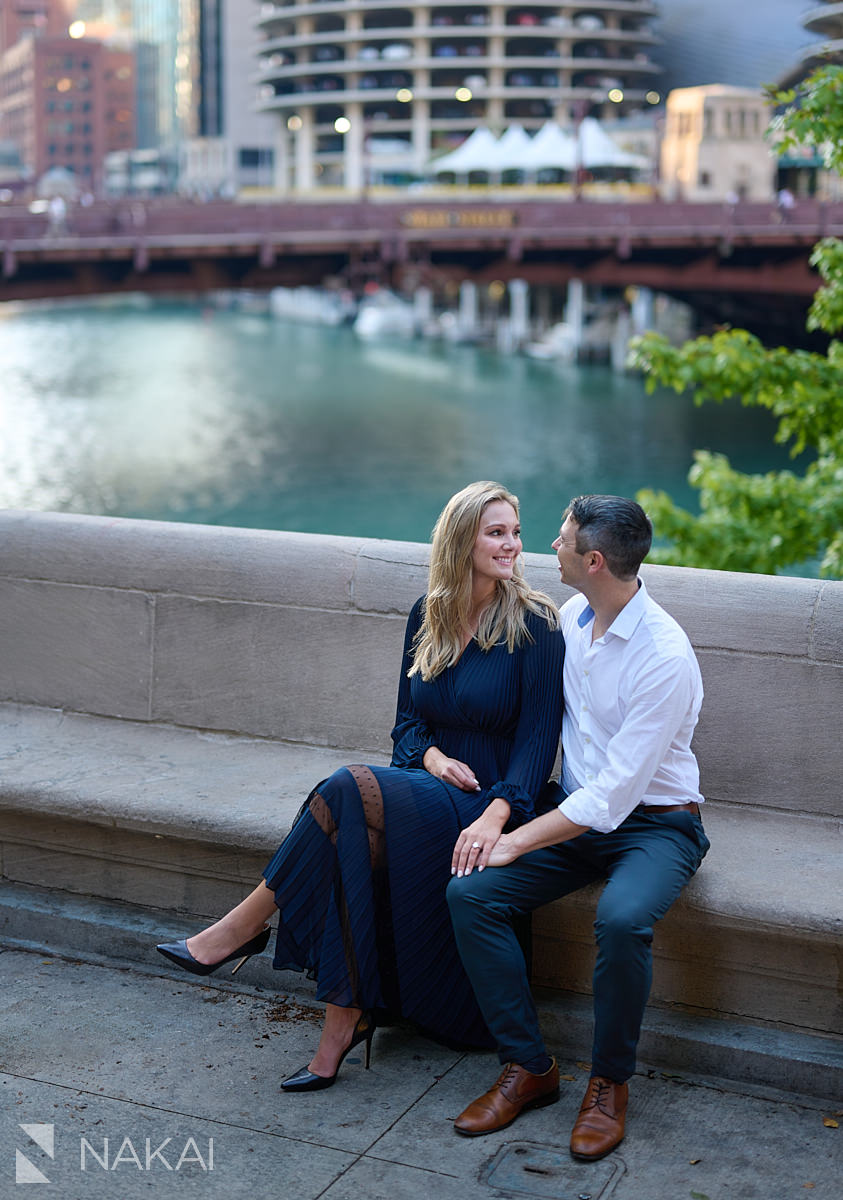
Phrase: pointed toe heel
(178, 953)
(305, 1080)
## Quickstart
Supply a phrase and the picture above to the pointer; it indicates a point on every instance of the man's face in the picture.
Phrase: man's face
(572, 569)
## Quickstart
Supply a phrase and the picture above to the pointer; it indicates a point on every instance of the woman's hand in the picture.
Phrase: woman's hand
(477, 842)
(450, 770)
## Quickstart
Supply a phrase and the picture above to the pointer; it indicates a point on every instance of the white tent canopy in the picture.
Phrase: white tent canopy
(590, 146)
(552, 147)
(512, 148)
(598, 150)
(475, 153)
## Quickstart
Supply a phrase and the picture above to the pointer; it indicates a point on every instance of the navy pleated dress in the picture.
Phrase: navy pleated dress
(360, 880)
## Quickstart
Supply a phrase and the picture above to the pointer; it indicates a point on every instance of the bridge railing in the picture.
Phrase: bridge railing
(134, 218)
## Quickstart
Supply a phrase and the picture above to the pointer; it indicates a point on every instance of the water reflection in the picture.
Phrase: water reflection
(175, 411)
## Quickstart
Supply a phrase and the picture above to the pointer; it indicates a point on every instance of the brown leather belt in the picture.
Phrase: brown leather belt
(691, 807)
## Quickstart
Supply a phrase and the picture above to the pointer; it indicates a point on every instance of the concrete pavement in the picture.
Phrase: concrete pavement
(103, 1062)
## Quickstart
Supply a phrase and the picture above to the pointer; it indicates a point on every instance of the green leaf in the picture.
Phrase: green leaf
(766, 522)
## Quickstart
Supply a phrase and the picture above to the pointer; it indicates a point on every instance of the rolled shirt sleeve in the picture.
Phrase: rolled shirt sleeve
(658, 712)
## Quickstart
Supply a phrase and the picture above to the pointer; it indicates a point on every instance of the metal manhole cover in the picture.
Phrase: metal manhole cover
(536, 1170)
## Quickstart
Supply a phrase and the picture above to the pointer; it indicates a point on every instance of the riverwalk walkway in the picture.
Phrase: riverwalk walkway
(115, 1059)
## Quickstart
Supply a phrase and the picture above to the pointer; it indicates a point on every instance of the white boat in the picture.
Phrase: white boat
(383, 314)
(559, 343)
(314, 306)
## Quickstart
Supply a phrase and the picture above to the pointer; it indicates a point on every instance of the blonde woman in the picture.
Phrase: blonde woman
(360, 881)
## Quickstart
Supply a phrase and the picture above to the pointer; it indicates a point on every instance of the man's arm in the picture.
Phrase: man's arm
(545, 830)
(660, 702)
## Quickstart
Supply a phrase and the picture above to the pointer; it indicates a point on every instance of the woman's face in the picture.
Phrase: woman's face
(498, 543)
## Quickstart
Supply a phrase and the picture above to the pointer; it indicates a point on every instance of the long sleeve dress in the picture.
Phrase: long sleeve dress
(360, 879)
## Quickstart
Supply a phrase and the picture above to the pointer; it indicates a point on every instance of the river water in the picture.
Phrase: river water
(180, 411)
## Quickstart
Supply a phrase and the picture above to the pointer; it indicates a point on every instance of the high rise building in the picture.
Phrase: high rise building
(154, 27)
(748, 44)
(196, 96)
(824, 23)
(151, 29)
(364, 86)
(66, 102)
(228, 144)
(22, 18)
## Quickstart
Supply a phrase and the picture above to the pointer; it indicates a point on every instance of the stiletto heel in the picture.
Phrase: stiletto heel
(305, 1081)
(178, 953)
(245, 958)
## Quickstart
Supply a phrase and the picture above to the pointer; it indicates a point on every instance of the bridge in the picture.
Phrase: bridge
(745, 263)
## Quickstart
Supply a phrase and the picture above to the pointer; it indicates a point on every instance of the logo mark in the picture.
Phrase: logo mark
(44, 1138)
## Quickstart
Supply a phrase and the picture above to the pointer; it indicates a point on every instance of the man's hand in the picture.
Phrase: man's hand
(503, 852)
(547, 830)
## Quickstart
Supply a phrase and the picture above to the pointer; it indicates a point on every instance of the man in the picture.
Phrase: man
(629, 813)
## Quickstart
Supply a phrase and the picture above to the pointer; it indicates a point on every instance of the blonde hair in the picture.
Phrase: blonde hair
(447, 611)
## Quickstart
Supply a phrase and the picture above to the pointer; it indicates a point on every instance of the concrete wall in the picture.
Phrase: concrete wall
(298, 636)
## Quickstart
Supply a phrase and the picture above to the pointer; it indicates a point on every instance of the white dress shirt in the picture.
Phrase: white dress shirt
(632, 698)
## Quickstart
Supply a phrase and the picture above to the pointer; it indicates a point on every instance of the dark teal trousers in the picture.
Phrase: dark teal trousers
(646, 862)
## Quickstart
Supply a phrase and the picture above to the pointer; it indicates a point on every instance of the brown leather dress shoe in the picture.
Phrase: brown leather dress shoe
(515, 1091)
(600, 1125)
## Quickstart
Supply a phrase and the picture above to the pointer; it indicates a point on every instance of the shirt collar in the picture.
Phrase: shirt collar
(626, 622)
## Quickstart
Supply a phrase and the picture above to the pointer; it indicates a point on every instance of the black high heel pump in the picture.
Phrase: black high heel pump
(178, 953)
(305, 1081)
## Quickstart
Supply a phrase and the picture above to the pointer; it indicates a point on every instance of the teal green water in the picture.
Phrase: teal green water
(181, 412)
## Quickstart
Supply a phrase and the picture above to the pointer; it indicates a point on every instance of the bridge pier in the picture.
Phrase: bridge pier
(643, 316)
(575, 312)
(467, 317)
(422, 307)
(519, 310)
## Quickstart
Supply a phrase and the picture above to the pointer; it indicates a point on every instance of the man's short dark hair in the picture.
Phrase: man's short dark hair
(617, 527)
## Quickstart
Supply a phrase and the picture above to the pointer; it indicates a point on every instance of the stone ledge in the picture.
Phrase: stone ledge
(143, 813)
(781, 616)
(160, 779)
(244, 793)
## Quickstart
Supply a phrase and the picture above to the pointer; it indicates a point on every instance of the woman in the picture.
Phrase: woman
(360, 880)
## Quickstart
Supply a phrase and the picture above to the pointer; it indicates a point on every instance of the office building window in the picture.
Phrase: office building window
(254, 157)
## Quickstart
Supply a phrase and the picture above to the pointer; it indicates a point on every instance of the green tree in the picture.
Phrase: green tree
(770, 521)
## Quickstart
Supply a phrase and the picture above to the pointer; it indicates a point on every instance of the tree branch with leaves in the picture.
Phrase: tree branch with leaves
(775, 520)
